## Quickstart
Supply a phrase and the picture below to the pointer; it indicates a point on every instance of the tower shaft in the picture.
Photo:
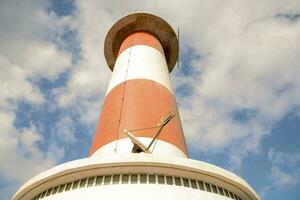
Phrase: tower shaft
(138, 96)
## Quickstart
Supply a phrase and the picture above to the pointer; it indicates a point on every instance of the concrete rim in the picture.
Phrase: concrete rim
(114, 162)
(141, 22)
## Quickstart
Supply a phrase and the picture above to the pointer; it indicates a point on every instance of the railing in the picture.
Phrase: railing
(137, 179)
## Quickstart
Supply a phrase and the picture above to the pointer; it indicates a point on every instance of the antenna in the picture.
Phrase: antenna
(178, 59)
(161, 125)
(138, 146)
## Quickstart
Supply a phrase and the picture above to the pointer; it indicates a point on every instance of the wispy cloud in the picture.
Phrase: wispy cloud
(20, 146)
(65, 130)
(285, 171)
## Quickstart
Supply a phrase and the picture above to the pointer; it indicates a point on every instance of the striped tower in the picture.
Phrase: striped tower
(140, 91)
(141, 49)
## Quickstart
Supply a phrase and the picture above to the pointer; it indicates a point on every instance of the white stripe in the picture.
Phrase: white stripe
(140, 62)
(124, 146)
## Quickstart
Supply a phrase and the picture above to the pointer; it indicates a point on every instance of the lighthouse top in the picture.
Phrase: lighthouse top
(141, 22)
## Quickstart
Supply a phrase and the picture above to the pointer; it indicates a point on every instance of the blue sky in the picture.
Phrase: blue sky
(237, 87)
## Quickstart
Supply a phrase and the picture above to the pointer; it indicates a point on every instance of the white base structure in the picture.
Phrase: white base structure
(136, 176)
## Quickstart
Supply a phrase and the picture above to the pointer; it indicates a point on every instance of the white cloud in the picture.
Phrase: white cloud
(285, 169)
(90, 76)
(65, 130)
(22, 144)
(280, 158)
(24, 53)
(250, 63)
(281, 178)
(15, 85)
(29, 50)
(36, 57)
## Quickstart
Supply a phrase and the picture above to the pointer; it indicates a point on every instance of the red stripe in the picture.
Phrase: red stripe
(141, 38)
(145, 103)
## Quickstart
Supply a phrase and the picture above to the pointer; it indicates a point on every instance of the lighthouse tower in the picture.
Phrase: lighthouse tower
(138, 150)
(141, 50)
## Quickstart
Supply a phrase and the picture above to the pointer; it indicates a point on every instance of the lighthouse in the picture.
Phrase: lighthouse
(141, 50)
(138, 150)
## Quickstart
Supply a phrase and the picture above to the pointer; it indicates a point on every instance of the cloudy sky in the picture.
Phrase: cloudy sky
(237, 88)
